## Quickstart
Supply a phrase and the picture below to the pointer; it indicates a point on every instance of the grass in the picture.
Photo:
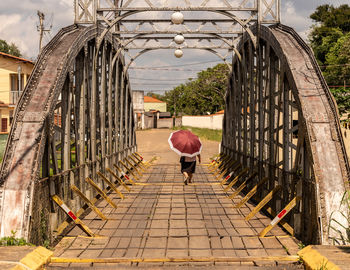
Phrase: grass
(204, 133)
(3, 140)
(334, 224)
(13, 241)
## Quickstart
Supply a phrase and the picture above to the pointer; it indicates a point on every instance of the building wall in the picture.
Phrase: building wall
(137, 100)
(149, 122)
(158, 106)
(165, 123)
(9, 66)
(211, 121)
(5, 114)
(162, 122)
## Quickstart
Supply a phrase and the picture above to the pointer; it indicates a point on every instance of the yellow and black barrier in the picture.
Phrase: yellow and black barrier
(235, 180)
(280, 215)
(128, 170)
(133, 166)
(242, 186)
(124, 175)
(88, 202)
(100, 191)
(220, 161)
(251, 193)
(224, 164)
(263, 202)
(72, 215)
(110, 184)
(138, 163)
(120, 181)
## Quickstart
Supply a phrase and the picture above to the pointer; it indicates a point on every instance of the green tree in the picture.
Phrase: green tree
(9, 48)
(331, 23)
(337, 70)
(330, 41)
(155, 95)
(204, 95)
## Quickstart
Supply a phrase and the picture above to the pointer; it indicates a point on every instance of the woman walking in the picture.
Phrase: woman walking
(189, 147)
(188, 167)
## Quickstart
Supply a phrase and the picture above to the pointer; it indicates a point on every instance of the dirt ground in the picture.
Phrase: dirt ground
(154, 142)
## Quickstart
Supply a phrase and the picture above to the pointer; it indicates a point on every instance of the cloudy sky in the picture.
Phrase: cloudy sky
(19, 20)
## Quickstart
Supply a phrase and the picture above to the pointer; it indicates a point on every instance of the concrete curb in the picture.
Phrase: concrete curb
(35, 259)
(312, 259)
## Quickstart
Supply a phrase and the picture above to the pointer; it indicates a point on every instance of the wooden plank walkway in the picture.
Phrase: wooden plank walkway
(161, 218)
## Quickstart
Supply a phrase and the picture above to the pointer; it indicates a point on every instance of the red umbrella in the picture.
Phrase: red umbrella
(185, 143)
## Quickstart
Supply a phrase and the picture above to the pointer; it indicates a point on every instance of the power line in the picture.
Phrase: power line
(190, 64)
(155, 90)
(41, 29)
(152, 83)
(171, 69)
(155, 79)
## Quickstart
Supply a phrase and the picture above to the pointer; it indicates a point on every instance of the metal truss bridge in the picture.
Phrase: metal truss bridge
(73, 133)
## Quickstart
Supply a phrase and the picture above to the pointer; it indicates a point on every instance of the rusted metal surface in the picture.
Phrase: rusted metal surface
(215, 27)
(21, 161)
(58, 137)
(282, 121)
(330, 164)
(75, 117)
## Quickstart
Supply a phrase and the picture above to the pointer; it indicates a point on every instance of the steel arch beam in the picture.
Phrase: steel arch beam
(51, 142)
(280, 119)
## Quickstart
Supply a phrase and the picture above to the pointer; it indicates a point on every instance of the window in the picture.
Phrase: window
(15, 90)
(11, 117)
(3, 124)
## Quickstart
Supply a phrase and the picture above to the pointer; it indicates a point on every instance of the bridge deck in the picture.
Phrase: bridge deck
(162, 218)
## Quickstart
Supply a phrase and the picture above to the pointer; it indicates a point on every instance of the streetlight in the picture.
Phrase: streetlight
(178, 53)
(179, 39)
(177, 17)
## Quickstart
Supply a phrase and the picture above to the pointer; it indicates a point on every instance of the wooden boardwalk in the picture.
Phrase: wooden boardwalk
(161, 218)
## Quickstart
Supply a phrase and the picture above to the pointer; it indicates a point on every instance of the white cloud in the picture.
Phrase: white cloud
(8, 21)
(292, 17)
(18, 21)
(19, 30)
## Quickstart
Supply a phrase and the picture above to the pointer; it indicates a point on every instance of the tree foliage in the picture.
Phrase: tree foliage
(9, 48)
(337, 68)
(154, 95)
(204, 95)
(330, 41)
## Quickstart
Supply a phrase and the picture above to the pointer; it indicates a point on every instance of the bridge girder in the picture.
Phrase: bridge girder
(282, 121)
(75, 115)
(65, 130)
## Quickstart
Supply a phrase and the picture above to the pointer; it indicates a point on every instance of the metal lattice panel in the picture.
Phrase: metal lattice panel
(149, 20)
(74, 119)
(276, 105)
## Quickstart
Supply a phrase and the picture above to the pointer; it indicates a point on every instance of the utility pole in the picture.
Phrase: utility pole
(41, 29)
(19, 71)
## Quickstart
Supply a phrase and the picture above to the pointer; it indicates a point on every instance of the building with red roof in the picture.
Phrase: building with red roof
(153, 104)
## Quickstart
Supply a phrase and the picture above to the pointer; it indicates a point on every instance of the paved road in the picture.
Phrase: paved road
(154, 142)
